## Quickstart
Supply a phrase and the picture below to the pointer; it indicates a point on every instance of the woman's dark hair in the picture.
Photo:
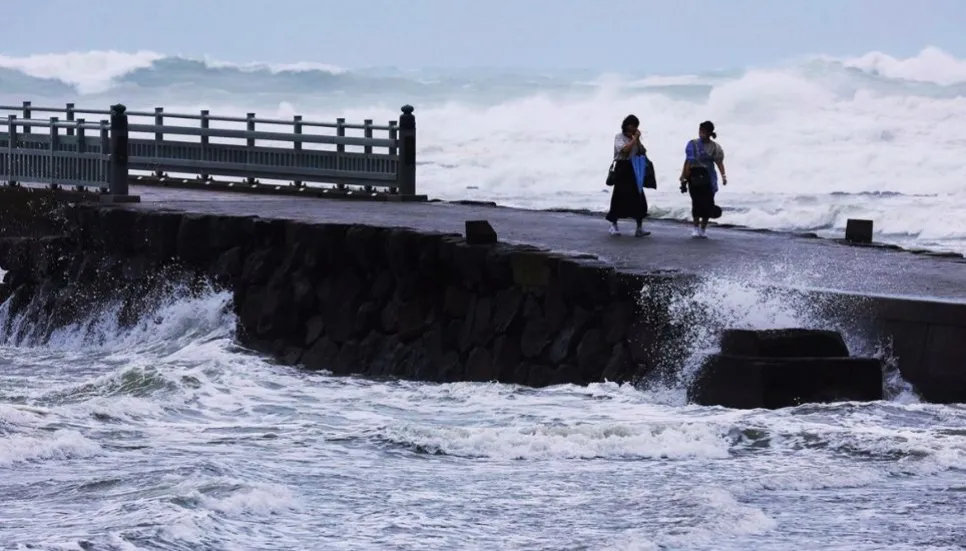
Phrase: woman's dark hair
(708, 127)
(628, 121)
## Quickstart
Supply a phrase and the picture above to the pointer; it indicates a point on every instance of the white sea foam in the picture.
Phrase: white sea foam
(58, 446)
(185, 442)
(931, 65)
(90, 72)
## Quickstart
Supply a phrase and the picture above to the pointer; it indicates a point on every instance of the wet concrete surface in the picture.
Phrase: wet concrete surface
(734, 254)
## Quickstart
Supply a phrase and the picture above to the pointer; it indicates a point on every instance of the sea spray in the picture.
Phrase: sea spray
(759, 296)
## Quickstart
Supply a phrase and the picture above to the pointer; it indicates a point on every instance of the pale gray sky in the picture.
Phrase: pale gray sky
(661, 36)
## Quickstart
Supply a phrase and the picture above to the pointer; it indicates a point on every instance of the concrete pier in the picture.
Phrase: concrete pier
(391, 288)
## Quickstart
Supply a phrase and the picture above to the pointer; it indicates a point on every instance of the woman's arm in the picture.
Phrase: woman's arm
(721, 169)
(719, 160)
(686, 168)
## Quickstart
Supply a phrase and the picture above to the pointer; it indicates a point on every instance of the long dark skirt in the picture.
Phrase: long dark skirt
(702, 200)
(626, 201)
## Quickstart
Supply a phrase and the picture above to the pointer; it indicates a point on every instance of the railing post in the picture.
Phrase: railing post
(205, 125)
(250, 127)
(297, 143)
(406, 175)
(393, 137)
(85, 169)
(81, 138)
(158, 137)
(52, 158)
(340, 132)
(105, 167)
(70, 118)
(367, 132)
(367, 149)
(26, 116)
(12, 151)
(119, 151)
(340, 147)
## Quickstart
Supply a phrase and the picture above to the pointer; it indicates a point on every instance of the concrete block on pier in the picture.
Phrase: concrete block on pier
(784, 368)
(858, 231)
(480, 232)
(783, 343)
(112, 198)
(746, 382)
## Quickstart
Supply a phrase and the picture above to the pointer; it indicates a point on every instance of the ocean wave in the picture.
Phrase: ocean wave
(581, 441)
(98, 72)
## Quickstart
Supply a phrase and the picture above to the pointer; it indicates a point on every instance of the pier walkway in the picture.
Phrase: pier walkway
(739, 254)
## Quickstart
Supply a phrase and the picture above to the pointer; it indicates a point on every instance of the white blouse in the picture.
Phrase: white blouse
(620, 140)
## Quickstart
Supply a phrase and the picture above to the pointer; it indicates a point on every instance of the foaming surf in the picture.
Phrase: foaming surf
(766, 296)
(163, 433)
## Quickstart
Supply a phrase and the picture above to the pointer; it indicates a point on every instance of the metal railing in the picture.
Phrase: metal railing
(204, 152)
(77, 159)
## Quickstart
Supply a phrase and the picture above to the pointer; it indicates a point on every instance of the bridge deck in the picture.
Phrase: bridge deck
(731, 253)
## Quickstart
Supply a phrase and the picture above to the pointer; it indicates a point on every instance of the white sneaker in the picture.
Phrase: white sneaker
(695, 232)
(704, 233)
(614, 230)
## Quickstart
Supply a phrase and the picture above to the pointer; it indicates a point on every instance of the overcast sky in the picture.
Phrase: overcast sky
(660, 36)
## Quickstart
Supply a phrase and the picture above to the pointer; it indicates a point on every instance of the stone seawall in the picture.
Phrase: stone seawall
(378, 300)
(367, 300)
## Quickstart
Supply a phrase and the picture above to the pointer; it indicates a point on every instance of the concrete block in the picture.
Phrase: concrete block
(480, 232)
(109, 198)
(747, 383)
(858, 231)
(783, 343)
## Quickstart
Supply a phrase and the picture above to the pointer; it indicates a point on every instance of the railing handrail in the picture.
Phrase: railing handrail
(59, 123)
(201, 116)
(209, 132)
(260, 135)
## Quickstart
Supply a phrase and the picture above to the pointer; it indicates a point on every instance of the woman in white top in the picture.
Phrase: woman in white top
(627, 200)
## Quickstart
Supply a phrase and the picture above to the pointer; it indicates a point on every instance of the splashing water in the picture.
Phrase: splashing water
(165, 434)
(763, 297)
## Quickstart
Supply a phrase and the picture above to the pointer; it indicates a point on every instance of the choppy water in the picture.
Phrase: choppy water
(167, 436)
